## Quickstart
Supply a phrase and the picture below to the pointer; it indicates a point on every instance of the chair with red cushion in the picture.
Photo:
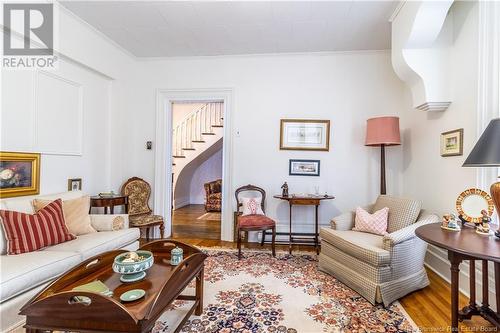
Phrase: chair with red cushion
(253, 222)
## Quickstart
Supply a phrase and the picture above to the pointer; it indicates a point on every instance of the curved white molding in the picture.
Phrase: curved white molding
(419, 52)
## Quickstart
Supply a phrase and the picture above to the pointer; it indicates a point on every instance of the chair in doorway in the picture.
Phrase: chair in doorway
(140, 214)
(213, 196)
(250, 217)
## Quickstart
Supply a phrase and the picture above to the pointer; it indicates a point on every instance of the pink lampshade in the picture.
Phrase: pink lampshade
(382, 131)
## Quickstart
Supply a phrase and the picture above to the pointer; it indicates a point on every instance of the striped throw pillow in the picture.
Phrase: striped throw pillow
(28, 233)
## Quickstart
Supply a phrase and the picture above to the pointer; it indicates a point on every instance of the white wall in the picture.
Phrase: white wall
(40, 111)
(346, 88)
(437, 180)
(208, 171)
(64, 113)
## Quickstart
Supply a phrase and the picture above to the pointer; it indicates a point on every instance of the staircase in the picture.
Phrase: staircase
(195, 135)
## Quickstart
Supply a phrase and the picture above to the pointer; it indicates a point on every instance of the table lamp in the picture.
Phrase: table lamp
(486, 153)
(381, 132)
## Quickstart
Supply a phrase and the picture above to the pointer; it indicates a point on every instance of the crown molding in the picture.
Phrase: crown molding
(397, 10)
(96, 31)
(250, 55)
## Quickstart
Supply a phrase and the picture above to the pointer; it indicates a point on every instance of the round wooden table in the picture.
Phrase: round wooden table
(467, 245)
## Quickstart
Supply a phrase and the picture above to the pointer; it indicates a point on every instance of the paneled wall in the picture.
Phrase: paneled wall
(64, 115)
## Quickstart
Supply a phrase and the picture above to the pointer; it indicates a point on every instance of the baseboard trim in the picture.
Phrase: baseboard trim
(181, 202)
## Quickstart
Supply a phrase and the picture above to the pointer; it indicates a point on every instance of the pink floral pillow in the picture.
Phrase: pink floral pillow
(251, 206)
(375, 223)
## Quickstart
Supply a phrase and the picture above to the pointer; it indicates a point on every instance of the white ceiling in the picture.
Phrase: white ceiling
(200, 28)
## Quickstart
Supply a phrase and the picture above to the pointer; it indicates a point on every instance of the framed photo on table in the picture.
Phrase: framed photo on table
(452, 143)
(19, 174)
(304, 134)
(303, 168)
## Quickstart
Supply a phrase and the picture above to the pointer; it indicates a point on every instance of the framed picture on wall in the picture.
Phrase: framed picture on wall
(74, 184)
(452, 143)
(19, 174)
(303, 167)
(304, 134)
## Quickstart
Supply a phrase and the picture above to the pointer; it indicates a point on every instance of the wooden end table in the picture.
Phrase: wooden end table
(111, 202)
(467, 245)
(303, 238)
(58, 308)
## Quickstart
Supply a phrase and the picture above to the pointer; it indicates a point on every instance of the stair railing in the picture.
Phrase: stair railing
(195, 125)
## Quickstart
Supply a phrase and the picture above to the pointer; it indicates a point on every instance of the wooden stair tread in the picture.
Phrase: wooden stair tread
(188, 149)
(217, 125)
(198, 141)
(178, 156)
(207, 133)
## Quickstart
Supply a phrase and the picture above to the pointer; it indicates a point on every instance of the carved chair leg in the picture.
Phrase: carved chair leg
(263, 238)
(239, 243)
(273, 245)
(162, 230)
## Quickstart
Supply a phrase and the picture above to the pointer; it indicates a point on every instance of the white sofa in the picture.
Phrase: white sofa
(24, 275)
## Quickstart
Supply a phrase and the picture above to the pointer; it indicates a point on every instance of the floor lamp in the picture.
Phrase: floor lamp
(382, 132)
(486, 153)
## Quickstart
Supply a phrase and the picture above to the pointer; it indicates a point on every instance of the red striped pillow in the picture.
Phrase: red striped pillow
(28, 233)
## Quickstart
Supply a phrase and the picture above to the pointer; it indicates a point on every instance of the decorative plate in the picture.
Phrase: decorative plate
(471, 202)
(132, 295)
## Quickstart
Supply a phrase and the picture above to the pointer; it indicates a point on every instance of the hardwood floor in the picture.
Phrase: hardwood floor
(185, 224)
(429, 308)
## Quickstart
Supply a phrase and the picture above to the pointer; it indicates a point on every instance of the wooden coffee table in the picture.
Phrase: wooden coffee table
(56, 309)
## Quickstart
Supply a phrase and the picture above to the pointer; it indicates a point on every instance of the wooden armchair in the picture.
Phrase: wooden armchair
(213, 198)
(140, 214)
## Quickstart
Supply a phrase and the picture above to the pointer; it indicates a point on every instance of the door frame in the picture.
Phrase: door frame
(163, 152)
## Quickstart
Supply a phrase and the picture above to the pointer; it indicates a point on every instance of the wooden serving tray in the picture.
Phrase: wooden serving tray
(55, 308)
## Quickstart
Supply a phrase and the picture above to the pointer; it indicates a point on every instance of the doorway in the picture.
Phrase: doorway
(197, 151)
(164, 152)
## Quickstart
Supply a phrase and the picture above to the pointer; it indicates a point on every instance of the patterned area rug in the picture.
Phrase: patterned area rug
(212, 216)
(284, 294)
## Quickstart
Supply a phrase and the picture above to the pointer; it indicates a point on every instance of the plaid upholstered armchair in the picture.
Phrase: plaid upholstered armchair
(213, 196)
(382, 269)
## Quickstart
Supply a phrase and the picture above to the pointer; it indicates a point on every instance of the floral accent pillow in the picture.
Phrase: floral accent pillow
(375, 223)
(252, 206)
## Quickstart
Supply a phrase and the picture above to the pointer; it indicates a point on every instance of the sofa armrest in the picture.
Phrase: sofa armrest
(345, 221)
(109, 222)
(408, 232)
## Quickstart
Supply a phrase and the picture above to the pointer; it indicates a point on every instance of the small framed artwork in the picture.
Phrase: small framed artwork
(303, 168)
(74, 184)
(452, 143)
(19, 174)
(304, 134)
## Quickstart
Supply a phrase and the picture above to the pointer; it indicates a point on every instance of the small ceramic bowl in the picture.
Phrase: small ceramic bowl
(133, 271)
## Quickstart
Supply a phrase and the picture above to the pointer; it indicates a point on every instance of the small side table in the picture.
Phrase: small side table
(312, 238)
(111, 202)
(467, 245)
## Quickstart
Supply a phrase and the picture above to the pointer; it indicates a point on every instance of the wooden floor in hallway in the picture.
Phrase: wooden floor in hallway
(429, 308)
(185, 224)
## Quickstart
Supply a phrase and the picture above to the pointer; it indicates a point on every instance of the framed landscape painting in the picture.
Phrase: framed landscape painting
(304, 134)
(452, 143)
(303, 168)
(19, 174)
